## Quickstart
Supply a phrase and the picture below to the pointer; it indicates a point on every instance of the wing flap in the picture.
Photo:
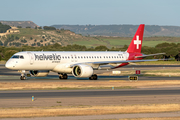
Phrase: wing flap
(143, 56)
(125, 61)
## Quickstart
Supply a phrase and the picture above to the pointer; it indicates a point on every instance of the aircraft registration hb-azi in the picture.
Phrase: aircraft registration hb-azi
(80, 64)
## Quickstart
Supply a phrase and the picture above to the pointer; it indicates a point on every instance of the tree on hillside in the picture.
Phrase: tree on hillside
(39, 27)
(1, 44)
(9, 53)
(19, 27)
(49, 28)
(0, 57)
(101, 48)
(4, 28)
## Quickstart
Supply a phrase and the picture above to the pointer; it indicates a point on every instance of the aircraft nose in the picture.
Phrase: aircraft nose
(8, 65)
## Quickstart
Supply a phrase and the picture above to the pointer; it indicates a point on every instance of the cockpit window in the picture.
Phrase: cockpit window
(21, 57)
(17, 57)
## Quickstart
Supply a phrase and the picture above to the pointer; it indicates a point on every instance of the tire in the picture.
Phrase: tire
(22, 77)
(91, 78)
(94, 77)
(65, 76)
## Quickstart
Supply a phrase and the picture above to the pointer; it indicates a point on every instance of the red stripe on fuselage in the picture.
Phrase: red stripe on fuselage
(131, 57)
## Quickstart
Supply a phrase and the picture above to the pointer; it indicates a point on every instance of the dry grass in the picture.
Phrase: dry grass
(85, 85)
(2, 62)
(173, 118)
(162, 72)
(86, 110)
(159, 63)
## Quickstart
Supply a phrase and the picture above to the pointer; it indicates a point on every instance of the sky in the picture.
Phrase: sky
(94, 12)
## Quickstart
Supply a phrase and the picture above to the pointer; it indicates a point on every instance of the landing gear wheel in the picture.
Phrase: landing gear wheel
(63, 76)
(22, 74)
(93, 77)
(22, 77)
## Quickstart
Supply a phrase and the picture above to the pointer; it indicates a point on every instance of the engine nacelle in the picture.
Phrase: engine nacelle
(41, 73)
(82, 71)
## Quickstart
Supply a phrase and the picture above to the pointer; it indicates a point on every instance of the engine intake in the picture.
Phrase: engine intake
(82, 71)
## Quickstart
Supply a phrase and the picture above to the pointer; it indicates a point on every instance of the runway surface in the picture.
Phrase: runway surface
(47, 98)
(12, 75)
(87, 93)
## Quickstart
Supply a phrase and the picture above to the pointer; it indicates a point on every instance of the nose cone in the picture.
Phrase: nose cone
(9, 65)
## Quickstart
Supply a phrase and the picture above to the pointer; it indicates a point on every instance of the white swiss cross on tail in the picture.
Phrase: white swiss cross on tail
(137, 42)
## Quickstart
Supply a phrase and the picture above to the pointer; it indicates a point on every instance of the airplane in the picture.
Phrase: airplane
(80, 64)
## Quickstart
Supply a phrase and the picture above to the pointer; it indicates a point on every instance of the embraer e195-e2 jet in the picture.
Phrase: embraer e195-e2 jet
(80, 64)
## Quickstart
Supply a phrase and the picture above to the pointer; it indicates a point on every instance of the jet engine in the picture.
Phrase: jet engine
(82, 71)
(37, 73)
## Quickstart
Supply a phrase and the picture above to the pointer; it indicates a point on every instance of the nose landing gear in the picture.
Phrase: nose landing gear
(22, 74)
(22, 77)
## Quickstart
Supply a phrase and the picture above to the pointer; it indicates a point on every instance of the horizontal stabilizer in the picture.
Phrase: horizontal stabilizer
(149, 55)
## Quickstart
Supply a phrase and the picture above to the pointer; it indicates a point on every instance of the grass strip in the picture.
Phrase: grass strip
(159, 63)
(117, 84)
(169, 118)
(86, 110)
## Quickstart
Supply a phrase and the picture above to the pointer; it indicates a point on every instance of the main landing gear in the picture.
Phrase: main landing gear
(63, 76)
(93, 77)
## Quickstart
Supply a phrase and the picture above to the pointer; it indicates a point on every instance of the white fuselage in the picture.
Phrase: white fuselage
(55, 61)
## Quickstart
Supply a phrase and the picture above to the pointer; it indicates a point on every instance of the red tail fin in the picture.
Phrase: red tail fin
(136, 43)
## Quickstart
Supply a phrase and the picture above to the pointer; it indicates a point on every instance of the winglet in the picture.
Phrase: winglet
(136, 43)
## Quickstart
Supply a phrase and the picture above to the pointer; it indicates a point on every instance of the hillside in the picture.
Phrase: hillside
(39, 37)
(121, 30)
(22, 24)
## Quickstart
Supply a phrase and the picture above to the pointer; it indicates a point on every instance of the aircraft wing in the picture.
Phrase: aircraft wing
(114, 62)
(125, 61)
(143, 56)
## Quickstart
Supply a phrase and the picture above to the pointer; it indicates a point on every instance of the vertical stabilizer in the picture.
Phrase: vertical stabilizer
(136, 43)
